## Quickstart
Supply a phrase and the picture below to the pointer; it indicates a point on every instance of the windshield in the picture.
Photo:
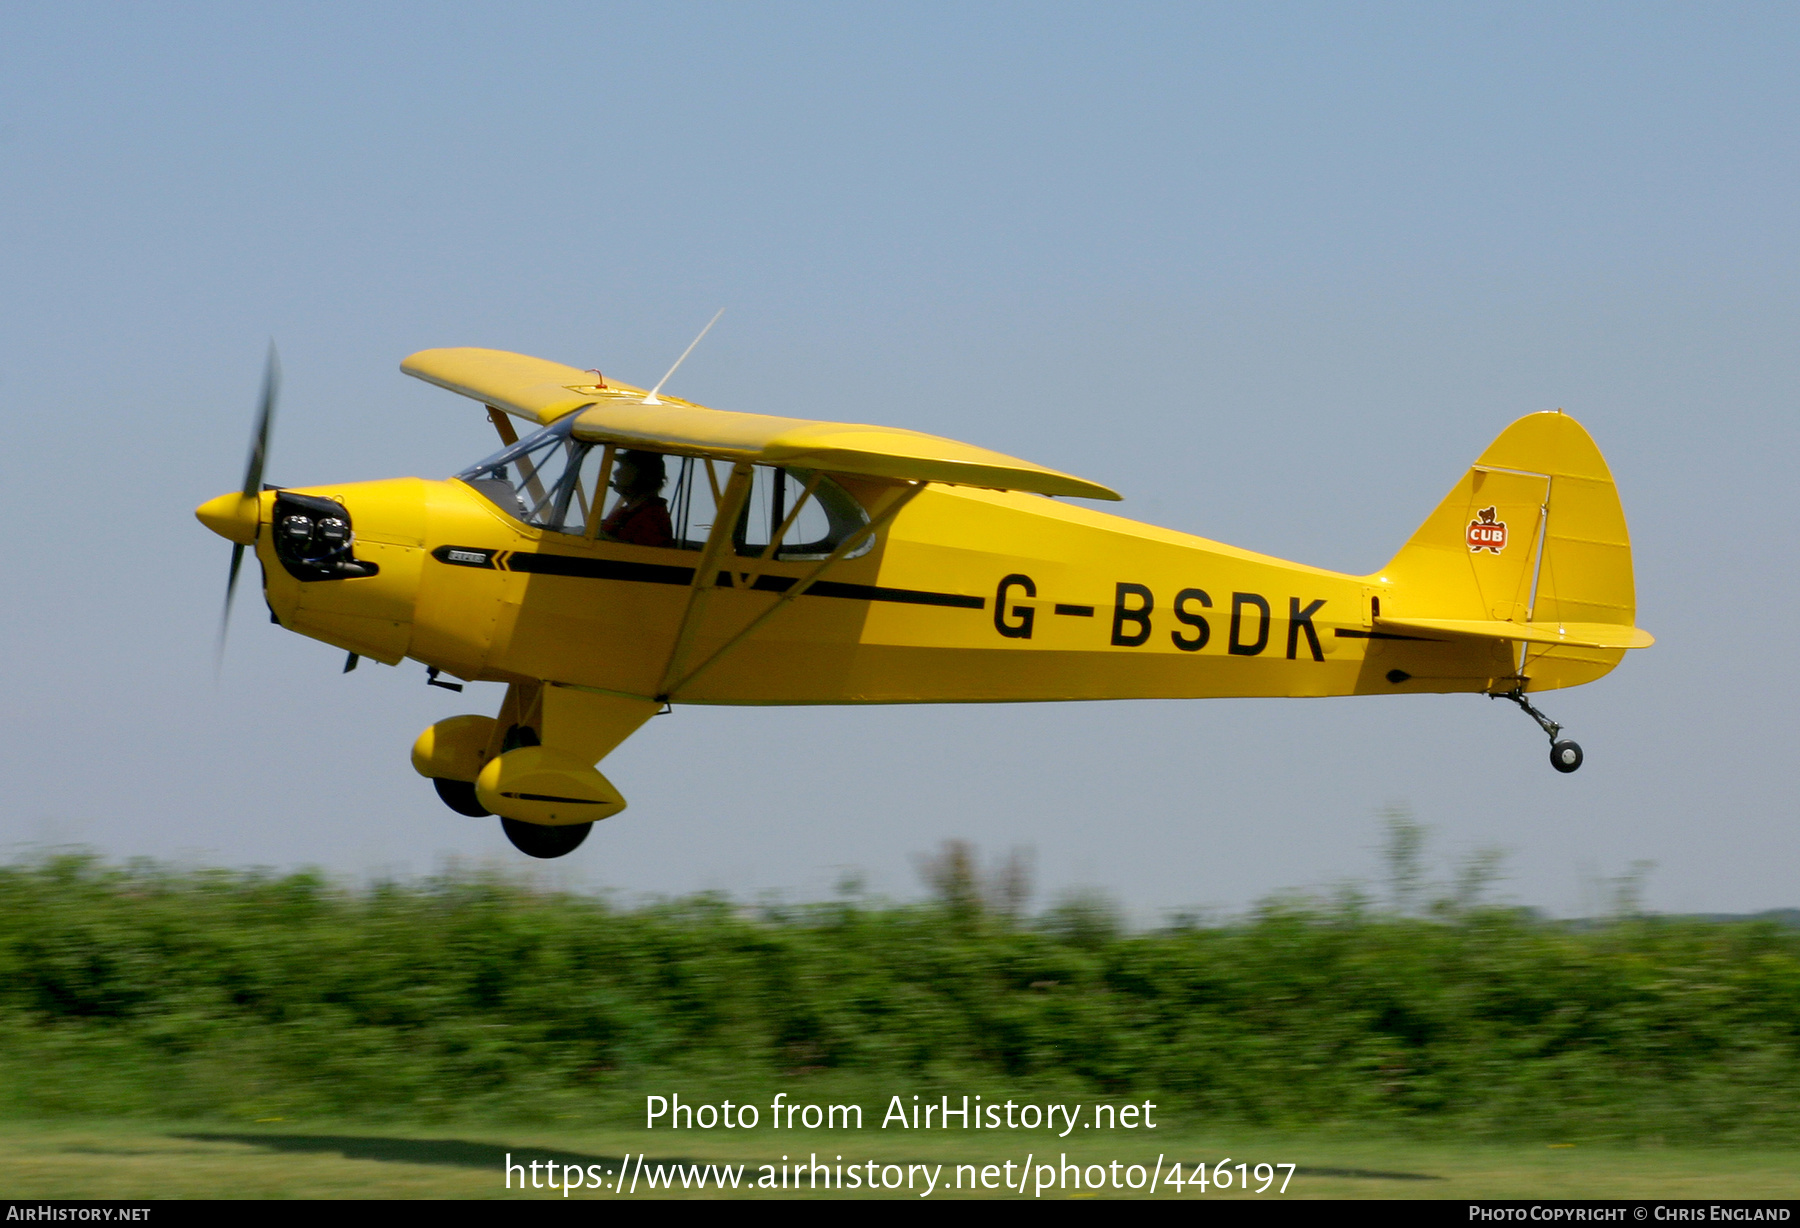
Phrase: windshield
(533, 480)
(640, 497)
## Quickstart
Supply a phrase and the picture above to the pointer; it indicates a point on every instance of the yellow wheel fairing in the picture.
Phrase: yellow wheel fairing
(546, 786)
(455, 748)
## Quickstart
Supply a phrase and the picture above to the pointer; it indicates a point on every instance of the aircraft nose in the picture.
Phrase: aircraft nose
(232, 516)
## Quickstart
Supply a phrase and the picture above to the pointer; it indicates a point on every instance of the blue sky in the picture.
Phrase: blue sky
(1277, 272)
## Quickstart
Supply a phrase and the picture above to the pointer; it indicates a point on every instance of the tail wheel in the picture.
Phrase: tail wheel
(1565, 756)
(535, 840)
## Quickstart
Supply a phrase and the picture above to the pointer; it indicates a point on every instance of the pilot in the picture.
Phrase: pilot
(641, 517)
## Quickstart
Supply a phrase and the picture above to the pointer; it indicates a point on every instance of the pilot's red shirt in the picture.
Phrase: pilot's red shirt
(641, 524)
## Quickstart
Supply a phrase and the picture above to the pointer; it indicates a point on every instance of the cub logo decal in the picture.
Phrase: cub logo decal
(1486, 533)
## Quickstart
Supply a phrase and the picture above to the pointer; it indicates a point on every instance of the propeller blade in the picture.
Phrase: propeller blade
(237, 561)
(253, 476)
(265, 421)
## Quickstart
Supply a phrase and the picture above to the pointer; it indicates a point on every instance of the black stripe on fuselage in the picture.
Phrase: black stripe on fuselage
(861, 592)
(598, 569)
(662, 573)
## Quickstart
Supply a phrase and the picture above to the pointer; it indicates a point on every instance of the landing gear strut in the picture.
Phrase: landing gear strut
(1565, 756)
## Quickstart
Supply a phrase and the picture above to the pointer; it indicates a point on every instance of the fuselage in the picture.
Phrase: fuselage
(967, 595)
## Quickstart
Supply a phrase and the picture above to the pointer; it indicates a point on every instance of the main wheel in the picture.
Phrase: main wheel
(1565, 756)
(536, 840)
(459, 795)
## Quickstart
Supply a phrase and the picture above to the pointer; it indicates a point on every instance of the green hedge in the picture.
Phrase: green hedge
(145, 990)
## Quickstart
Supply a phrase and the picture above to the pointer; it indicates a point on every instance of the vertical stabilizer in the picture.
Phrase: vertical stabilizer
(1533, 534)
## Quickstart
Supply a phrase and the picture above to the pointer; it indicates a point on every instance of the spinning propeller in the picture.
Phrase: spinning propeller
(235, 516)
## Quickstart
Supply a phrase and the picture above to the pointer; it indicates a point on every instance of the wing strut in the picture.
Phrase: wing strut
(849, 544)
(706, 572)
(503, 424)
(749, 578)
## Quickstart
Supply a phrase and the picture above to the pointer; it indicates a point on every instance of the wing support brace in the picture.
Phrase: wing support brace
(850, 543)
(706, 573)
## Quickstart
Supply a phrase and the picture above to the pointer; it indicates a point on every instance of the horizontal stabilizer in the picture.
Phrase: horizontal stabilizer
(1573, 635)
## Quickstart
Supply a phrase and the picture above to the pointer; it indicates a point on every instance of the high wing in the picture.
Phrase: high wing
(526, 387)
(617, 413)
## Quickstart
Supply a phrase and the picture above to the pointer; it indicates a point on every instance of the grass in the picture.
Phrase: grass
(198, 1160)
(222, 1034)
(218, 995)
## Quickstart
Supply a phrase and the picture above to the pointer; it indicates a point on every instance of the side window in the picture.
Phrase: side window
(584, 496)
(809, 513)
(816, 512)
(647, 498)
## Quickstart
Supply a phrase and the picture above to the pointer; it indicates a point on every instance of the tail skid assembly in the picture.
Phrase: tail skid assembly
(1565, 756)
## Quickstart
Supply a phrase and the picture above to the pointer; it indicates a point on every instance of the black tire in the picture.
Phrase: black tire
(1565, 756)
(459, 795)
(536, 840)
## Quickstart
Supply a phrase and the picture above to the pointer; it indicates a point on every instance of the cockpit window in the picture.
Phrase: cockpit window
(532, 480)
(554, 482)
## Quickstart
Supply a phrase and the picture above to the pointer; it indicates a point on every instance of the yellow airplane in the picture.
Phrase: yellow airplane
(632, 551)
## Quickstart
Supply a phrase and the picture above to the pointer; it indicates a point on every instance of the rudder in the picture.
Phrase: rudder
(1533, 533)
